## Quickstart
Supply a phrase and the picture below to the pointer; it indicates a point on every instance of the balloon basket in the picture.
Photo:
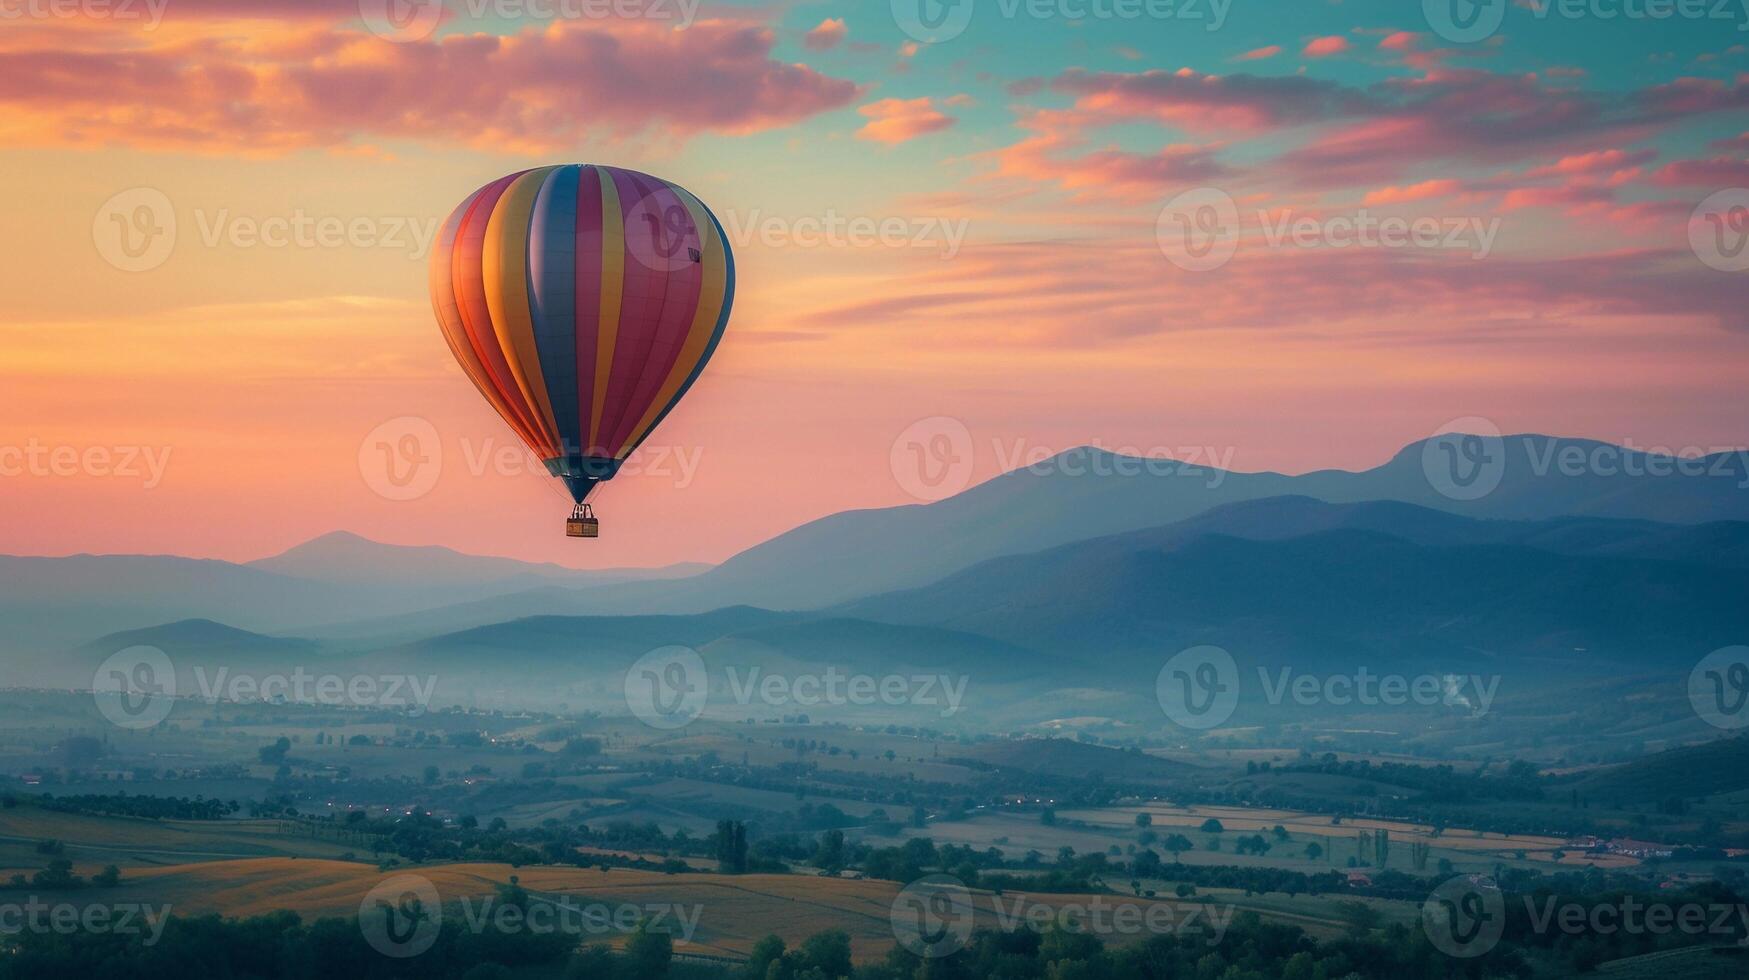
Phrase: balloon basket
(582, 523)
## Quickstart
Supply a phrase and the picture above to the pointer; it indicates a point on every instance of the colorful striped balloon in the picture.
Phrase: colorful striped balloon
(583, 301)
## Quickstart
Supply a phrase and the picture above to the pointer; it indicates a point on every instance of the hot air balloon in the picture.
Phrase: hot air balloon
(582, 301)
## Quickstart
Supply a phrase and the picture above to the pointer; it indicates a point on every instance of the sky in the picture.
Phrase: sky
(1277, 236)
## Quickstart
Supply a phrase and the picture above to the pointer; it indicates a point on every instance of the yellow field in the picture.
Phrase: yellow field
(93, 841)
(733, 912)
(1255, 819)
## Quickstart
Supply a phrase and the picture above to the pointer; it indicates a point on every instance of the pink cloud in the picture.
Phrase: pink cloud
(826, 35)
(539, 90)
(1597, 162)
(1400, 41)
(1712, 172)
(1412, 192)
(899, 120)
(1259, 54)
(1323, 47)
(1209, 102)
(1570, 197)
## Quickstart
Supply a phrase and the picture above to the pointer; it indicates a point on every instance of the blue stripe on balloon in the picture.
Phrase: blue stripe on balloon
(552, 296)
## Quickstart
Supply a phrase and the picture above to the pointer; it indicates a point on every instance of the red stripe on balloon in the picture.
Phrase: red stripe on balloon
(673, 239)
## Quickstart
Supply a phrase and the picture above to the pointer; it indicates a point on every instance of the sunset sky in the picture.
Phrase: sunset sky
(1027, 286)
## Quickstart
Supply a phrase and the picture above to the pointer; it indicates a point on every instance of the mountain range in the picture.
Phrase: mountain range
(1045, 574)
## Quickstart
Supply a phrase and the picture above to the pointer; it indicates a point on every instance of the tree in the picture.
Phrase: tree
(1177, 844)
(108, 877)
(1212, 826)
(1048, 817)
(275, 753)
(648, 953)
(1144, 819)
(1314, 850)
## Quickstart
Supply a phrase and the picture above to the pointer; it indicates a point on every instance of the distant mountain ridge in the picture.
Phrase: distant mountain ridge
(1293, 578)
(341, 587)
(853, 554)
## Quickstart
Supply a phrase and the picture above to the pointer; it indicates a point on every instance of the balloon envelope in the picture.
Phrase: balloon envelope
(583, 301)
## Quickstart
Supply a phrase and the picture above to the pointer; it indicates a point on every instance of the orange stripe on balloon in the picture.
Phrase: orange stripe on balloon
(613, 262)
(470, 293)
(504, 266)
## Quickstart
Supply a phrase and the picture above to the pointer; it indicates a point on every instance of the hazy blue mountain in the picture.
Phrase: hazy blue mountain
(50, 604)
(1341, 594)
(346, 558)
(341, 587)
(1067, 499)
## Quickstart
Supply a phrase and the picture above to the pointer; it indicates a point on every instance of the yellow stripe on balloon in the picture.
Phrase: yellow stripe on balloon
(704, 319)
(613, 264)
(506, 272)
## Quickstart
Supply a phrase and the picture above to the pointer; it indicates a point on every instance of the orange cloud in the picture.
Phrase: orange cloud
(1258, 54)
(899, 120)
(826, 35)
(1323, 47)
(1412, 192)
